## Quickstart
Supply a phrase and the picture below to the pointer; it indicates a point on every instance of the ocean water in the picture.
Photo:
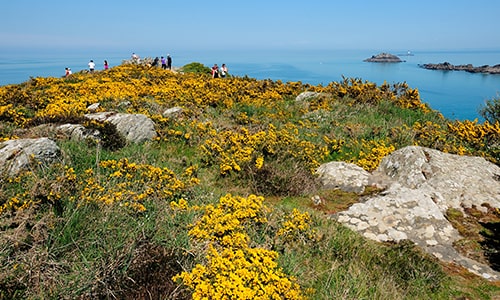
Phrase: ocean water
(456, 94)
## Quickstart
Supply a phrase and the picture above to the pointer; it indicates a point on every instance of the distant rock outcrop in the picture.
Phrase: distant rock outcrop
(384, 58)
(446, 66)
(422, 184)
(22, 154)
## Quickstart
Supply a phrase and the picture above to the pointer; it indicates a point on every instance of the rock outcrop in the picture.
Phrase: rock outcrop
(422, 184)
(135, 128)
(384, 58)
(343, 176)
(22, 154)
(446, 66)
(307, 95)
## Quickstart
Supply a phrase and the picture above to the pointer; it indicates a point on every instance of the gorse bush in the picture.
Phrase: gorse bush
(184, 215)
(234, 269)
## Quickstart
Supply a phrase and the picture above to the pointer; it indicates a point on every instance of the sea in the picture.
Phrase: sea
(458, 95)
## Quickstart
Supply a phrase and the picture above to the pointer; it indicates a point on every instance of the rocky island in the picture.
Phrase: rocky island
(384, 58)
(446, 66)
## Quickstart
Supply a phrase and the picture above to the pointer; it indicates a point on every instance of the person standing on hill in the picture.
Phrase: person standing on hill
(163, 63)
(223, 71)
(169, 62)
(106, 66)
(215, 71)
(91, 66)
(135, 58)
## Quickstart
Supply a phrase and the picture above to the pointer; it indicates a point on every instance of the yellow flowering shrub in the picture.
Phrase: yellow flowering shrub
(372, 153)
(234, 151)
(296, 228)
(233, 269)
(228, 217)
(27, 189)
(365, 92)
(130, 184)
(479, 135)
(246, 273)
(460, 137)
(430, 134)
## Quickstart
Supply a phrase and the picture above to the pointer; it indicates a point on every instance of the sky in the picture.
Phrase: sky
(255, 24)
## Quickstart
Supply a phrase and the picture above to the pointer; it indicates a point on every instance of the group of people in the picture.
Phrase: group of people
(166, 63)
(219, 71)
(91, 65)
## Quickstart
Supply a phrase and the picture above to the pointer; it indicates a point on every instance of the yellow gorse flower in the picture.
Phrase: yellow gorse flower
(233, 269)
(130, 184)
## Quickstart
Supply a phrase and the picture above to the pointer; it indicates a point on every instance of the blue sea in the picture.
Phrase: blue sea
(456, 94)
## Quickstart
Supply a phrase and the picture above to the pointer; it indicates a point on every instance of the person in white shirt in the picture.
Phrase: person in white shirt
(223, 71)
(91, 66)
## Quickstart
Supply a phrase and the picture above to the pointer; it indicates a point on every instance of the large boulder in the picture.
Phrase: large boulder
(74, 132)
(136, 128)
(422, 184)
(22, 154)
(456, 181)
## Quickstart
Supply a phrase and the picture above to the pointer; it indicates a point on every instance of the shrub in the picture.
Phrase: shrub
(195, 67)
(233, 268)
(491, 110)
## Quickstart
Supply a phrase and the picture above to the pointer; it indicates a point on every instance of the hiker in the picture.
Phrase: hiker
(163, 63)
(223, 71)
(169, 62)
(91, 66)
(215, 71)
(67, 72)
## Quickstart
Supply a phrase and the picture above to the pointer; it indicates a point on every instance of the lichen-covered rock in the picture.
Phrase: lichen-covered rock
(343, 176)
(422, 184)
(457, 181)
(135, 128)
(22, 154)
(306, 95)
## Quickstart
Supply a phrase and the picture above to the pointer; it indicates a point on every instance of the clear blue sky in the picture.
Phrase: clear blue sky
(255, 24)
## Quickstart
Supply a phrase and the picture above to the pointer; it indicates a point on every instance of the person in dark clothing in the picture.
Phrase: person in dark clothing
(155, 62)
(169, 62)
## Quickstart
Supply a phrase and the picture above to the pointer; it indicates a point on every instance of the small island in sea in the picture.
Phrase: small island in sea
(446, 66)
(384, 58)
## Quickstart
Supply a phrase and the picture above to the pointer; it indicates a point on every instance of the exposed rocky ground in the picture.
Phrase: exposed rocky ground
(420, 187)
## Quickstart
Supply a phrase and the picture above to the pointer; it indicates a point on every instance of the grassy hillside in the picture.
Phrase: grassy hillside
(220, 203)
